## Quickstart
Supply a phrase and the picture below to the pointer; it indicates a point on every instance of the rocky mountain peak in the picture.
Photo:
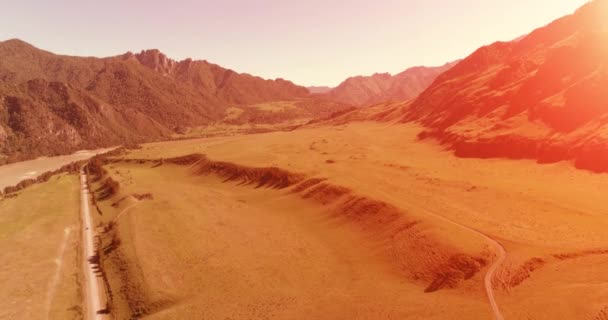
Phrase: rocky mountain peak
(157, 61)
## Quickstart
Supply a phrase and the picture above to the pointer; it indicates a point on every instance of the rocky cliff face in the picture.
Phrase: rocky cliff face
(157, 61)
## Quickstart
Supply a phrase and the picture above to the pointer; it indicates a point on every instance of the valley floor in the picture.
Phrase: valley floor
(551, 219)
(359, 221)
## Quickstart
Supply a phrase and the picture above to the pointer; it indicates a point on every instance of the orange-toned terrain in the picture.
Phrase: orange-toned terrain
(350, 221)
(540, 97)
(466, 202)
(381, 87)
(41, 260)
(54, 104)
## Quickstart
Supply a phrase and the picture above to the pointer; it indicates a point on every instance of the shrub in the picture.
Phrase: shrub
(145, 196)
(95, 167)
(109, 188)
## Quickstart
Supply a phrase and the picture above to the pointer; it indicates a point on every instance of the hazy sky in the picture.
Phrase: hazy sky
(311, 42)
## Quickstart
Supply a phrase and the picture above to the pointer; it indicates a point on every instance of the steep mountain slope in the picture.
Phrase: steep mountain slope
(52, 104)
(380, 87)
(543, 97)
(48, 118)
(212, 80)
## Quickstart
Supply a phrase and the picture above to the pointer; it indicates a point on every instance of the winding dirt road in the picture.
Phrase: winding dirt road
(501, 255)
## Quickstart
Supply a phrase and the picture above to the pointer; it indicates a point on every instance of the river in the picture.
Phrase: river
(13, 173)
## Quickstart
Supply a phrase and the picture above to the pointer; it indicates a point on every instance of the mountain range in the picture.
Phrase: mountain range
(542, 96)
(53, 104)
(381, 87)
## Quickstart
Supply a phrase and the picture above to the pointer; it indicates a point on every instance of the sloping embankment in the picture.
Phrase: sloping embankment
(406, 242)
(591, 155)
(410, 246)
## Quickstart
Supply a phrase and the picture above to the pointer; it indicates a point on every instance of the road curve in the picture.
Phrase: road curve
(92, 296)
(502, 255)
(500, 258)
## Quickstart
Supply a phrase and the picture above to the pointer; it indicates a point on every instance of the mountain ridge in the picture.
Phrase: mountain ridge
(382, 87)
(539, 97)
(131, 97)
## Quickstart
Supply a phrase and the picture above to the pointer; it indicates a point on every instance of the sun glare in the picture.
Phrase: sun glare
(170, 161)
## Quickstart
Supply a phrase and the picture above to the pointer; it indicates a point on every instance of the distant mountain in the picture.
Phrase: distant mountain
(544, 96)
(52, 104)
(321, 89)
(222, 84)
(381, 87)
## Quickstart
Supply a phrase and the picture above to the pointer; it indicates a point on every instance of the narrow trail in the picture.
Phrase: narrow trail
(52, 288)
(92, 295)
(124, 211)
(501, 255)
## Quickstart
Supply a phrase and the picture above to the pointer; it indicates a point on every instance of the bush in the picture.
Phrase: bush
(95, 167)
(109, 188)
(145, 196)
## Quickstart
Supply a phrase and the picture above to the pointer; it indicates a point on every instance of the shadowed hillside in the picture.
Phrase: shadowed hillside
(542, 97)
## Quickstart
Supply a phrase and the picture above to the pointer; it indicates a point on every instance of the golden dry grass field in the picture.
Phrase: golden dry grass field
(40, 262)
(355, 221)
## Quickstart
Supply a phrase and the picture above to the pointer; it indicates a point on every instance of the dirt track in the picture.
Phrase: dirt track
(92, 293)
(502, 256)
(56, 276)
